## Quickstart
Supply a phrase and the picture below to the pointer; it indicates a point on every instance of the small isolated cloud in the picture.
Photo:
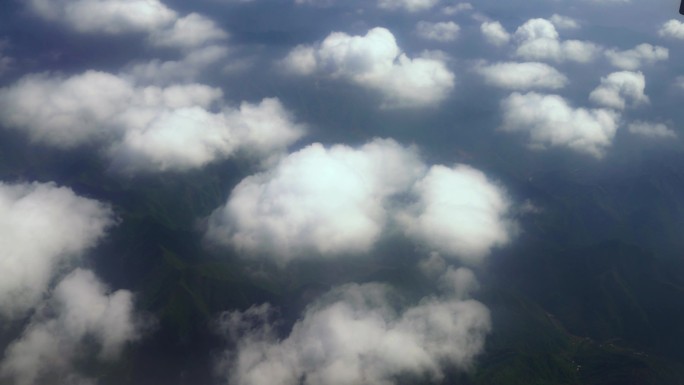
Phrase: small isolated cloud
(106, 16)
(82, 320)
(651, 130)
(317, 201)
(550, 121)
(189, 32)
(443, 31)
(451, 10)
(637, 57)
(495, 33)
(538, 39)
(376, 62)
(356, 334)
(458, 212)
(522, 76)
(407, 5)
(673, 29)
(42, 228)
(6, 61)
(144, 128)
(619, 88)
(564, 22)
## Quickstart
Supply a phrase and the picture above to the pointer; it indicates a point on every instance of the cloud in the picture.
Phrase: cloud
(106, 16)
(188, 32)
(495, 33)
(522, 76)
(442, 31)
(651, 130)
(564, 22)
(185, 69)
(376, 62)
(81, 315)
(550, 121)
(407, 5)
(356, 334)
(673, 29)
(317, 201)
(538, 39)
(637, 57)
(619, 88)
(144, 128)
(451, 10)
(42, 228)
(458, 212)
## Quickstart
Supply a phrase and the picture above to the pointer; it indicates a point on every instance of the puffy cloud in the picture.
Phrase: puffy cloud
(495, 33)
(106, 16)
(148, 128)
(563, 22)
(6, 61)
(408, 5)
(619, 88)
(538, 39)
(81, 312)
(42, 228)
(550, 121)
(375, 61)
(185, 69)
(523, 76)
(442, 31)
(189, 32)
(672, 28)
(651, 130)
(317, 201)
(459, 212)
(637, 57)
(355, 334)
(451, 10)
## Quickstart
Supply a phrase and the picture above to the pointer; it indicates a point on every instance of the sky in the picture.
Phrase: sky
(359, 122)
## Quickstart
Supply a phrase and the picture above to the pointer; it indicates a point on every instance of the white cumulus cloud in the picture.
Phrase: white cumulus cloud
(407, 5)
(672, 28)
(458, 212)
(637, 57)
(522, 76)
(356, 334)
(317, 201)
(189, 32)
(651, 130)
(619, 88)
(495, 33)
(538, 39)
(564, 22)
(42, 228)
(80, 313)
(106, 16)
(144, 128)
(445, 31)
(550, 121)
(376, 62)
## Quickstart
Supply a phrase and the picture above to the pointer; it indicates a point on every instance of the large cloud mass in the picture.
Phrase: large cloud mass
(324, 201)
(42, 227)
(550, 120)
(375, 61)
(619, 88)
(357, 335)
(81, 315)
(459, 212)
(150, 128)
(538, 39)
